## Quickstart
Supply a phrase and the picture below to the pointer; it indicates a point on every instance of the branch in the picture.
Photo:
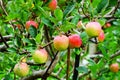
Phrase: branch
(40, 73)
(111, 57)
(68, 64)
(118, 3)
(6, 38)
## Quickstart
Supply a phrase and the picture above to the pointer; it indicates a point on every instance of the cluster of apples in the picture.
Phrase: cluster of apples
(60, 43)
(94, 29)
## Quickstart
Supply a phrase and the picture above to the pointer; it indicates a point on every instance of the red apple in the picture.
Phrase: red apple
(21, 69)
(114, 67)
(75, 41)
(101, 36)
(93, 29)
(29, 23)
(40, 56)
(53, 4)
(107, 25)
(61, 42)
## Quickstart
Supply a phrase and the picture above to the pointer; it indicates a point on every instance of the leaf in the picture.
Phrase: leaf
(46, 21)
(95, 3)
(58, 14)
(75, 19)
(11, 49)
(102, 21)
(82, 69)
(102, 5)
(38, 38)
(32, 31)
(69, 9)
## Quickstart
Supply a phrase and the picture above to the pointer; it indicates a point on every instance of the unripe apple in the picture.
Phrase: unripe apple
(40, 56)
(61, 42)
(21, 69)
(31, 23)
(114, 67)
(75, 41)
(53, 4)
(93, 29)
(101, 36)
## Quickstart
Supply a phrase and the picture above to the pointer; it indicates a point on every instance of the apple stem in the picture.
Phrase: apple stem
(68, 64)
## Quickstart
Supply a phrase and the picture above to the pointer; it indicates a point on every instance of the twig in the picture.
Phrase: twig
(46, 73)
(118, 3)
(111, 57)
(68, 64)
(4, 40)
(48, 39)
(33, 64)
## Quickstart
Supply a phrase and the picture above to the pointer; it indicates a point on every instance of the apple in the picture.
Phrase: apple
(101, 36)
(21, 69)
(114, 67)
(52, 5)
(40, 56)
(107, 25)
(93, 29)
(75, 41)
(29, 23)
(61, 42)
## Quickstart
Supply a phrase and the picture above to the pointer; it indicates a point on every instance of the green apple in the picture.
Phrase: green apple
(40, 56)
(21, 69)
(93, 29)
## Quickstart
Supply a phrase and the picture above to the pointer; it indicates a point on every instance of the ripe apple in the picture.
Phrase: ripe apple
(75, 41)
(40, 56)
(29, 23)
(101, 36)
(114, 67)
(52, 5)
(61, 42)
(21, 69)
(93, 29)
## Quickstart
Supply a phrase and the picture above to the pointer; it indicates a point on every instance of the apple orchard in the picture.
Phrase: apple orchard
(59, 39)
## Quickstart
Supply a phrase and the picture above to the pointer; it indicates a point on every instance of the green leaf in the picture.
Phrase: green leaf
(32, 31)
(46, 21)
(102, 21)
(11, 49)
(102, 5)
(67, 26)
(69, 9)
(75, 19)
(38, 38)
(82, 69)
(58, 14)
(95, 3)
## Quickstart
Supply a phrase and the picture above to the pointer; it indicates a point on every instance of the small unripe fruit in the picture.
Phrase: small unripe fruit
(31, 23)
(114, 67)
(101, 36)
(79, 24)
(40, 56)
(75, 41)
(53, 4)
(21, 69)
(93, 29)
(61, 42)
